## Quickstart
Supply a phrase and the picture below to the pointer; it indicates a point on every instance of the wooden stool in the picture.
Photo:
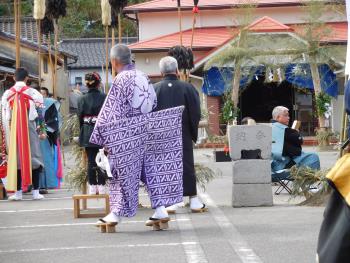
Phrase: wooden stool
(2, 188)
(84, 197)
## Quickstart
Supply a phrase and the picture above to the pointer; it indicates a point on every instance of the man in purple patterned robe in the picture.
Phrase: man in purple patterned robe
(141, 145)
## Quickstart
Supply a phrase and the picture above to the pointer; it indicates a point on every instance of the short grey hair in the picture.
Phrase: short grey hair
(121, 53)
(168, 65)
(277, 111)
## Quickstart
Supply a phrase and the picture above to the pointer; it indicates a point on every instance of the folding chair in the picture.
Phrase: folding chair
(283, 178)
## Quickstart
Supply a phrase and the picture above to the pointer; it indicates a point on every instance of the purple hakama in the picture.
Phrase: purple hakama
(141, 145)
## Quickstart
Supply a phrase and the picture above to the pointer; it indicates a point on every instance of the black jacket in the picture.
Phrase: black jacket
(292, 143)
(89, 105)
(172, 92)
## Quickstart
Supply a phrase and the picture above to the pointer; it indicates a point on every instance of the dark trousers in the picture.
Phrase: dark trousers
(35, 179)
(94, 177)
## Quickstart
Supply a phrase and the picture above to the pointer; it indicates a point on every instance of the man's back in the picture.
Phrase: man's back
(172, 92)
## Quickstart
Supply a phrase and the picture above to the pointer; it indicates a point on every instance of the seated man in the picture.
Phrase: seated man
(286, 144)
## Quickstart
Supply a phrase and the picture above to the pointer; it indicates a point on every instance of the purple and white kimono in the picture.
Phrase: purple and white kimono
(141, 145)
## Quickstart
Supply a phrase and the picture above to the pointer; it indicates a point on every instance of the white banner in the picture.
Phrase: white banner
(347, 66)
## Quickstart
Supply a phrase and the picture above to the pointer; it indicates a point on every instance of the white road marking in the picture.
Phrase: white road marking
(193, 250)
(76, 224)
(237, 242)
(12, 251)
(40, 210)
(46, 198)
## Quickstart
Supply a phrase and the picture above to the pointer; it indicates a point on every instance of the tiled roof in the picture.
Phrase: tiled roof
(338, 32)
(91, 52)
(267, 24)
(165, 5)
(28, 33)
(204, 39)
(212, 37)
(28, 28)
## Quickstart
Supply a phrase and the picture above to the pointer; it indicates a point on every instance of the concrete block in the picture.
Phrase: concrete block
(246, 195)
(251, 172)
(250, 137)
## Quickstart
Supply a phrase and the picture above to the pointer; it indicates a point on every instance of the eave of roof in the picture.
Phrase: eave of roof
(11, 71)
(170, 5)
(202, 43)
(32, 45)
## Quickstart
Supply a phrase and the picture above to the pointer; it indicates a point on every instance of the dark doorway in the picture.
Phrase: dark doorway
(259, 98)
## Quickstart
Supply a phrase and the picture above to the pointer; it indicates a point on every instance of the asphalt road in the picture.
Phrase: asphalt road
(45, 231)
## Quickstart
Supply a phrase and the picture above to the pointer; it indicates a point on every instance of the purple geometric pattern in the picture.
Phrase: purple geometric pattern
(147, 147)
(141, 146)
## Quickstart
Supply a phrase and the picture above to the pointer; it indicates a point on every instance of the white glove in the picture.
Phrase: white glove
(103, 163)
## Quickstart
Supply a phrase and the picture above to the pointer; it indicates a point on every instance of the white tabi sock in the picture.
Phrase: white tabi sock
(195, 203)
(112, 218)
(17, 196)
(160, 213)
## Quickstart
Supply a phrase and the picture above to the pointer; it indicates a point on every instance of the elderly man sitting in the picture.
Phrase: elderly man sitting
(286, 144)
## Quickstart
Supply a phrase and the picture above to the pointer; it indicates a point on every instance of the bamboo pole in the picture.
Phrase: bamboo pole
(107, 35)
(113, 43)
(180, 22)
(193, 28)
(17, 9)
(49, 53)
(56, 57)
(38, 23)
(120, 28)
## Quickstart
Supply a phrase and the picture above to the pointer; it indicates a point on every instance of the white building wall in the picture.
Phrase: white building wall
(81, 73)
(148, 62)
(167, 22)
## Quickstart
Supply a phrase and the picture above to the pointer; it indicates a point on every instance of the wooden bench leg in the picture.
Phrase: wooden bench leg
(107, 205)
(76, 208)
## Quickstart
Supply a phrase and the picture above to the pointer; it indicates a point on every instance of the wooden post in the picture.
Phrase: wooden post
(106, 84)
(84, 190)
(120, 28)
(180, 22)
(38, 23)
(56, 57)
(344, 126)
(113, 43)
(17, 9)
(193, 28)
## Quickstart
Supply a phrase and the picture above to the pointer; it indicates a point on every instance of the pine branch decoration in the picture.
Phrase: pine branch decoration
(56, 8)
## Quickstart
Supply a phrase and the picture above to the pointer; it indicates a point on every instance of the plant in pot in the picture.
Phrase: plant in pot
(229, 116)
(323, 106)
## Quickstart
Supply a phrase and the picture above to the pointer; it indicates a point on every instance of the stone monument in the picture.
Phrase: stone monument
(250, 150)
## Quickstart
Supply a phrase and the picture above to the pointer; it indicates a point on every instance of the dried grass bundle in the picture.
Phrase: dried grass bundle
(310, 183)
(204, 175)
(106, 13)
(39, 9)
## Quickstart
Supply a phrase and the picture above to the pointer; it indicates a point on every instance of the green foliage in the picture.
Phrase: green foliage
(229, 112)
(84, 20)
(322, 101)
(76, 177)
(6, 8)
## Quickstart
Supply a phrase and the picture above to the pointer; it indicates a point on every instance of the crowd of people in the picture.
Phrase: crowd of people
(147, 131)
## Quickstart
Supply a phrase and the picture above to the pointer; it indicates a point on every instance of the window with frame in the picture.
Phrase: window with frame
(78, 80)
(46, 66)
